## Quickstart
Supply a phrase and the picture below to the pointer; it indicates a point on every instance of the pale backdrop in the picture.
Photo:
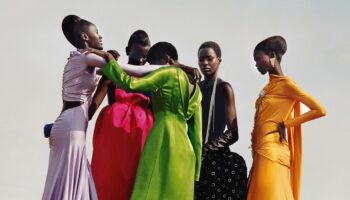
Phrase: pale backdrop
(33, 53)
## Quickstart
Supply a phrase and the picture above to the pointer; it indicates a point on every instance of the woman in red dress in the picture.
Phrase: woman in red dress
(121, 129)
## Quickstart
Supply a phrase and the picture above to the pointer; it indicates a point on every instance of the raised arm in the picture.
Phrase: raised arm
(139, 70)
(93, 60)
(150, 83)
(316, 109)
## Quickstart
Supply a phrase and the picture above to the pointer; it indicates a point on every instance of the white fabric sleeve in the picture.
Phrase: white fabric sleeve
(139, 70)
(94, 60)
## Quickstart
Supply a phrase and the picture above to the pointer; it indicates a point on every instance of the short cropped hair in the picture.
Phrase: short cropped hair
(160, 50)
(213, 45)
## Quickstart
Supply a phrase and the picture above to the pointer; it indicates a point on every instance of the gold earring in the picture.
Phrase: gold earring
(273, 61)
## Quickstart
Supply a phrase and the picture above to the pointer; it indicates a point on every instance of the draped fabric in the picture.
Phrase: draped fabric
(295, 148)
(68, 175)
(171, 159)
(276, 169)
(120, 133)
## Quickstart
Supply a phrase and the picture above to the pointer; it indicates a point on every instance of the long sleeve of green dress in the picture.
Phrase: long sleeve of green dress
(171, 158)
(195, 135)
(148, 83)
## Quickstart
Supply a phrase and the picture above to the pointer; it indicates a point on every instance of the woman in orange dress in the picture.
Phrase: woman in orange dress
(276, 169)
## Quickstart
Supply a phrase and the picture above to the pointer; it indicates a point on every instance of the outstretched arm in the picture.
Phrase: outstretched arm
(98, 59)
(139, 70)
(150, 83)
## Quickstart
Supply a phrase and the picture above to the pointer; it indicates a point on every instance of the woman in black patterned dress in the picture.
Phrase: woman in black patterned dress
(223, 173)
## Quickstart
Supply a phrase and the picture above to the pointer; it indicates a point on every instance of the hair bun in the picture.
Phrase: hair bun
(275, 44)
(71, 19)
(279, 43)
(72, 27)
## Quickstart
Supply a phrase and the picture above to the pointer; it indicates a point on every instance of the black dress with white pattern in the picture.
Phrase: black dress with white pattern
(223, 173)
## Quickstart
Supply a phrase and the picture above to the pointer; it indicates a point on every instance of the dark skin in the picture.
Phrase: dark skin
(90, 38)
(137, 54)
(209, 63)
(268, 63)
(165, 60)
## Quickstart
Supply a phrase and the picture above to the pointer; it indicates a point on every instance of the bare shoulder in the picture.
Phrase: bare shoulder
(227, 89)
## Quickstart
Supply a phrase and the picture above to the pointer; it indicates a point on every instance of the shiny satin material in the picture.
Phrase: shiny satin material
(79, 80)
(171, 159)
(120, 132)
(69, 176)
(276, 169)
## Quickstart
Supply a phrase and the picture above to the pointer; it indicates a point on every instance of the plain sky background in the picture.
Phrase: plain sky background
(34, 51)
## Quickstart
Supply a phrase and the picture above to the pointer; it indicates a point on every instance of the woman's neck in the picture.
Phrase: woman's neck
(276, 70)
(209, 80)
(211, 77)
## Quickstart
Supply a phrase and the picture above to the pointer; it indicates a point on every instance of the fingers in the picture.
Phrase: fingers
(198, 75)
(114, 53)
(193, 71)
(282, 131)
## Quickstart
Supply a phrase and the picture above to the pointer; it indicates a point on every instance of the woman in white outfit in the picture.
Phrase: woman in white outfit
(69, 176)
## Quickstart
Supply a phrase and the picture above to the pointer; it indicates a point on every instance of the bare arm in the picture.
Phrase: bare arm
(93, 60)
(231, 114)
(99, 95)
(99, 60)
(230, 136)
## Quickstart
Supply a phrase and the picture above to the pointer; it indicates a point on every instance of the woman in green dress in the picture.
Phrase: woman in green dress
(171, 158)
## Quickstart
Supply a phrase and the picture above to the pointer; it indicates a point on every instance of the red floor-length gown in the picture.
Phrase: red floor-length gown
(120, 132)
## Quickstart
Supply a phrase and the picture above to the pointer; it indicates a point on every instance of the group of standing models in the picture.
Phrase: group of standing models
(150, 142)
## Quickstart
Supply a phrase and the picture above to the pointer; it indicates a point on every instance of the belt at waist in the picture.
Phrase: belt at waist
(70, 104)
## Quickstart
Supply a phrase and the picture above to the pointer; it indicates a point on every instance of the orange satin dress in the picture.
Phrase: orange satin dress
(276, 169)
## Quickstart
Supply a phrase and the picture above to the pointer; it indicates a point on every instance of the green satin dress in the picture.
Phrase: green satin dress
(171, 158)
